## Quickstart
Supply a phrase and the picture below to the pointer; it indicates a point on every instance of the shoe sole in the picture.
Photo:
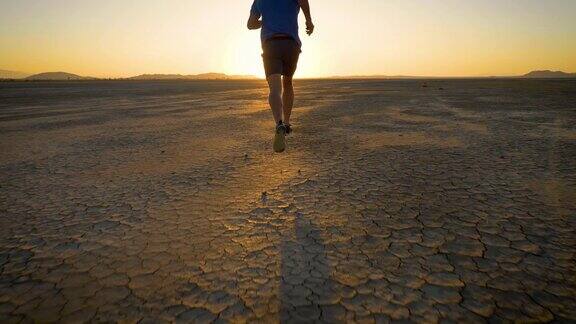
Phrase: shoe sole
(280, 142)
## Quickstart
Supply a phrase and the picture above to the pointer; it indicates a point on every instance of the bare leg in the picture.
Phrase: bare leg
(287, 98)
(275, 97)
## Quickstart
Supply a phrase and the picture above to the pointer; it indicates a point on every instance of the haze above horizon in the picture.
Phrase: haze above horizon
(110, 38)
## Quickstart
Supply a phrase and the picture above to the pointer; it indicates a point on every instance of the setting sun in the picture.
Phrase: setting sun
(241, 56)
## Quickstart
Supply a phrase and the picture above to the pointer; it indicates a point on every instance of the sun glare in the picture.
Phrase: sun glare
(243, 55)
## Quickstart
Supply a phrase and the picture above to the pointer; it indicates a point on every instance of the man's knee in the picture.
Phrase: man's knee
(275, 83)
(275, 92)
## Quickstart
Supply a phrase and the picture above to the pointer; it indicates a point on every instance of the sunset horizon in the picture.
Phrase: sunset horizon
(25, 74)
(108, 39)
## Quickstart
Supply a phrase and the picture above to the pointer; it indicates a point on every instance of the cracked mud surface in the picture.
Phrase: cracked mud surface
(162, 201)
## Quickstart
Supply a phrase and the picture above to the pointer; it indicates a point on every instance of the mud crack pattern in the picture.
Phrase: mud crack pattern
(162, 202)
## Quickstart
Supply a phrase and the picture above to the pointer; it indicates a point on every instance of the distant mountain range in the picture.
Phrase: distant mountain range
(546, 74)
(203, 76)
(57, 76)
(4, 74)
(376, 76)
(64, 76)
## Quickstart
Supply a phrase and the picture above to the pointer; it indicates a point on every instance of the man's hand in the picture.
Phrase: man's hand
(305, 5)
(309, 27)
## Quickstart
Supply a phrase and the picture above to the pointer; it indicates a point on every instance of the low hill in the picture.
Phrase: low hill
(57, 76)
(203, 76)
(5, 74)
(545, 74)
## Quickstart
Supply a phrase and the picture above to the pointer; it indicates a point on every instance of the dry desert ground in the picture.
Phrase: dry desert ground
(418, 200)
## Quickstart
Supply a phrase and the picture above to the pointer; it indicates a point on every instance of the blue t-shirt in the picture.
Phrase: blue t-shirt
(278, 17)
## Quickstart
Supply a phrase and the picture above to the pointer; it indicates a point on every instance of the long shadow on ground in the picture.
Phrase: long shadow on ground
(306, 282)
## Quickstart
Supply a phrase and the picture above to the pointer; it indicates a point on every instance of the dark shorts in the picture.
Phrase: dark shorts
(280, 56)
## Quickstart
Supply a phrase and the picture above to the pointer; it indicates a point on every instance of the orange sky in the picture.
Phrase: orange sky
(111, 38)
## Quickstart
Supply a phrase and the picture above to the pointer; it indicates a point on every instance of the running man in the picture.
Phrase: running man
(281, 49)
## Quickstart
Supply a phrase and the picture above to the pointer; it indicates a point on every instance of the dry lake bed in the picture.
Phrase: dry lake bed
(396, 200)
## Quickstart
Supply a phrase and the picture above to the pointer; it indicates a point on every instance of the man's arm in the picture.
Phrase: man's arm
(305, 5)
(254, 22)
